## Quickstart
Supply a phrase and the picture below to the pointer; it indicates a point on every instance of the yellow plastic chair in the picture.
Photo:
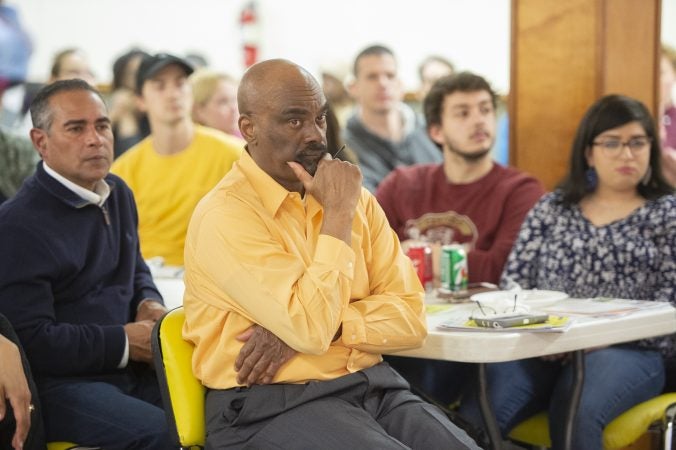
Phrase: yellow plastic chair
(182, 393)
(624, 430)
(60, 446)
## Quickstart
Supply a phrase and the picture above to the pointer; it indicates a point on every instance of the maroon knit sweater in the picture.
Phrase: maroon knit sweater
(488, 212)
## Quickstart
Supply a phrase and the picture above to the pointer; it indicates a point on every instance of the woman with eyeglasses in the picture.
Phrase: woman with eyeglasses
(609, 230)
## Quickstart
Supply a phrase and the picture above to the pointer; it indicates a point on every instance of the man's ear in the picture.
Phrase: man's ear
(39, 139)
(247, 128)
(436, 133)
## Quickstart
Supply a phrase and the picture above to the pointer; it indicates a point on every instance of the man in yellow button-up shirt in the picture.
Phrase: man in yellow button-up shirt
(295, 284)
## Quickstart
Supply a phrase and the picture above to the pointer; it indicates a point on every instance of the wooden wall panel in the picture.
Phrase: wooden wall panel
(630, 36)
(565, 55)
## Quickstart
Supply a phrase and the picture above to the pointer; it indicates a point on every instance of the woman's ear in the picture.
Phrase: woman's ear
(589, 156)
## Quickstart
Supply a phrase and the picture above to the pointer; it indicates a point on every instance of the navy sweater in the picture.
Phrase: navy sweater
(71, 275)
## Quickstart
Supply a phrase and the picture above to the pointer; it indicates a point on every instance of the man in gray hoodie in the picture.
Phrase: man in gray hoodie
(384, 132)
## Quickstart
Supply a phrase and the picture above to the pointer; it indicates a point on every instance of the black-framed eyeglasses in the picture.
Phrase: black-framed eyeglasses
(485, 310)
(613, 147)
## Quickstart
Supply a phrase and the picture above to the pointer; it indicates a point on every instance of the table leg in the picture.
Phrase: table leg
(489, 418)
(571, 412)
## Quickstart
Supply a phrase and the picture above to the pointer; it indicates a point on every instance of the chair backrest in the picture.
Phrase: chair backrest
(621, 432)
(182, 393)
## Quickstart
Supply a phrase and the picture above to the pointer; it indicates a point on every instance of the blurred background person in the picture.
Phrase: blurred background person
(430, 70)
(130, 124)
(66, 64)
(334, 75)
(18, 158)
(434, 67)
(215, 100)
(71, 63)
(384, 132)
(177, 164)
(334, 141)
(15, 50)
(196, 60)
(668, 124)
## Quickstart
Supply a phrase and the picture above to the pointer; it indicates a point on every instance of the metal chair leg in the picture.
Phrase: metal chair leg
(668, 426)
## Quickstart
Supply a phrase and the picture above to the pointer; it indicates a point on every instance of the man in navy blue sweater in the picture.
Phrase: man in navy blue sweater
(73, 282)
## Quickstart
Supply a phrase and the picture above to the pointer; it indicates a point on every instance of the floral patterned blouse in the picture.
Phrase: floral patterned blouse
(635, 257)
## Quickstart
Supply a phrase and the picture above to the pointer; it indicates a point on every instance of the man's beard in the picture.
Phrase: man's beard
(309, 159)
(469, 157)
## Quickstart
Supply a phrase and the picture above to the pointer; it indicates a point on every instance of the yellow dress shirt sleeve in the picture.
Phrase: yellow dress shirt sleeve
(298, 297)
(391, 316)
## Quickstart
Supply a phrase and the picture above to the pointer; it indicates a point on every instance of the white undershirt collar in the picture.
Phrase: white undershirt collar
(97, 197)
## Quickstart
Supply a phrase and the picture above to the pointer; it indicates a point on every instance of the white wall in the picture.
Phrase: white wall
(669, 22)
(474, 34)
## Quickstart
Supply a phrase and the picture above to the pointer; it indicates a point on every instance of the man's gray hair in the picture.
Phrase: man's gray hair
(41, 113)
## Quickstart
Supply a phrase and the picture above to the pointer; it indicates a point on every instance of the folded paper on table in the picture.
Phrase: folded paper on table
(436, 309)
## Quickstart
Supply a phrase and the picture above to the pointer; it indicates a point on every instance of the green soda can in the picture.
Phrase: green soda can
(453, 267)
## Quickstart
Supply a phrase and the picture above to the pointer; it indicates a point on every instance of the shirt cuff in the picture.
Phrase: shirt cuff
(354, 328)
(125, 355)
(334, 252)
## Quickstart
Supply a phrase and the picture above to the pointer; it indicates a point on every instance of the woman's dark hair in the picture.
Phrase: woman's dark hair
(120, 66)
(610, 112)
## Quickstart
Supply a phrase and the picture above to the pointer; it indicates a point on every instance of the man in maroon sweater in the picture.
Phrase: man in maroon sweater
(467, 199)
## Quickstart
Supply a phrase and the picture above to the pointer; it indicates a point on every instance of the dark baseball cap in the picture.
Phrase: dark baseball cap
(152, 64)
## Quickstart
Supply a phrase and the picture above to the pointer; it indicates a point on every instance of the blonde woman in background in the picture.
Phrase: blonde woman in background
(215, 101)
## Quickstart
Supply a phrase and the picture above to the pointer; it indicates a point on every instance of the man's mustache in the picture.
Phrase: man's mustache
(312, 150)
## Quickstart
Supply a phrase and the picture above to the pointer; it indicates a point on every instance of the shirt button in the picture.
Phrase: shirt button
(354, 337)
(384, 341)
(349, 265)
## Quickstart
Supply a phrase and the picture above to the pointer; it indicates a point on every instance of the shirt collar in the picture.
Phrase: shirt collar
(271, 193)
(97, 197)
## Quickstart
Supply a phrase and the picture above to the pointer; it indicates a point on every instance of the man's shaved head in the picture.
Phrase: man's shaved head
(263, 82)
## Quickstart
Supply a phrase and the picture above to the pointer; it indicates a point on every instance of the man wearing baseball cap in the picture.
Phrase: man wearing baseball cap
(170, 170)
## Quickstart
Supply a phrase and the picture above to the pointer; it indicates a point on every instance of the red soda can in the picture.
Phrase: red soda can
(417, 254)
(429, 268)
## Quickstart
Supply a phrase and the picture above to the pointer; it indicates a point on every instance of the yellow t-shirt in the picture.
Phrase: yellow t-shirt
(167, 188)
(254, 254)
